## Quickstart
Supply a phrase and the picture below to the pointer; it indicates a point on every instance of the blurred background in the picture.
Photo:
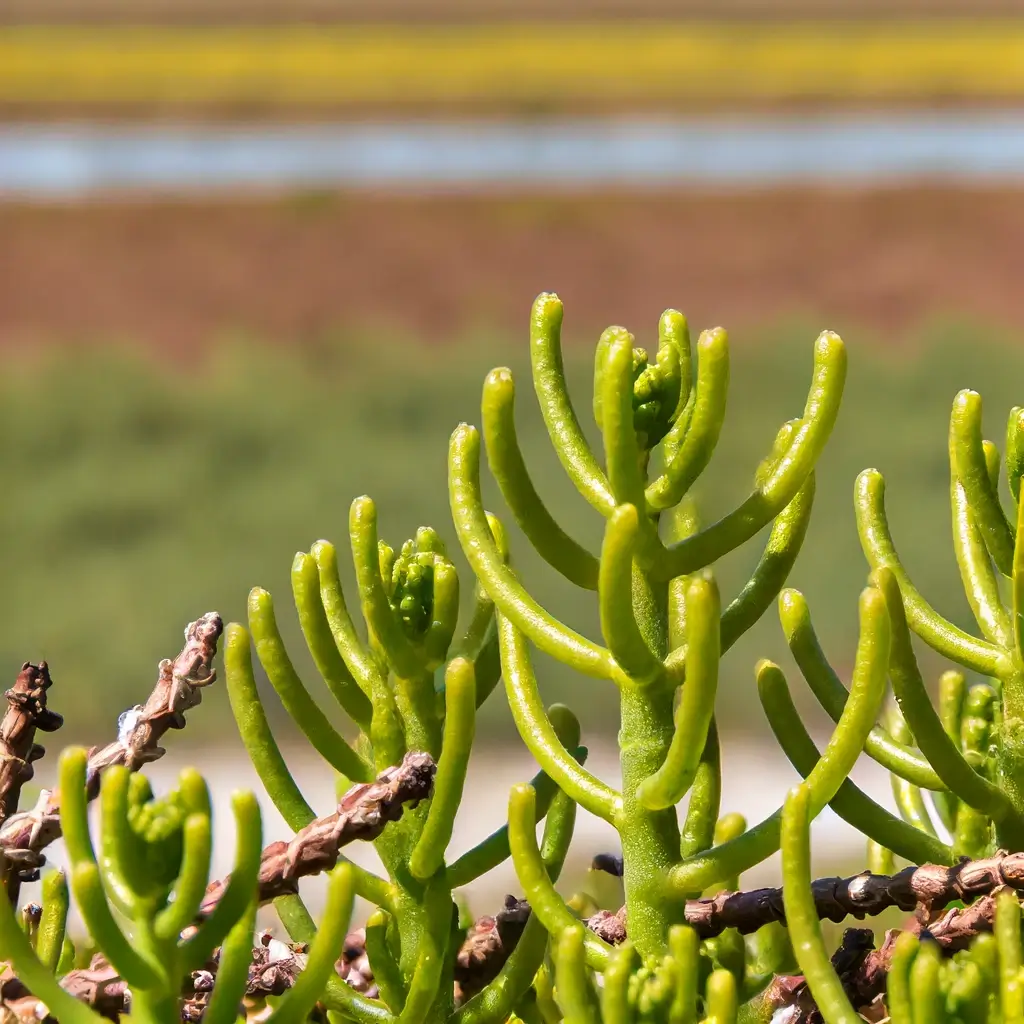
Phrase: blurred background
(257, 256)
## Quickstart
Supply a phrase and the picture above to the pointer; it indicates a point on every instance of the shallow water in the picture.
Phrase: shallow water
(69, 160)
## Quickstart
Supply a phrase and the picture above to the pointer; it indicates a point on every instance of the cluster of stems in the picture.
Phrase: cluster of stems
(685, 947)
(662, 621)
(410, 682)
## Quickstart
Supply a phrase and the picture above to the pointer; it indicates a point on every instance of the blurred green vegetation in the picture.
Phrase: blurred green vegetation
(140, 494)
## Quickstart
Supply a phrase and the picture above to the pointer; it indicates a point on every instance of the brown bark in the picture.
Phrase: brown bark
(488, 944)
(362, 814)
(179, 687)
(859, 896)
(26, 714)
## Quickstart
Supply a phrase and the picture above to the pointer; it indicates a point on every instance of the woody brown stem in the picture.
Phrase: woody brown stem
(362, 814)
(26, 714)
(859, 896)
(139, 730)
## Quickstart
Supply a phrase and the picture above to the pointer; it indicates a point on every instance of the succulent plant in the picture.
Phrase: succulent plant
(689, 943)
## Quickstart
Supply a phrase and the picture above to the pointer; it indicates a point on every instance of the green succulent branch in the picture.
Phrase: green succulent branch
(637, 405)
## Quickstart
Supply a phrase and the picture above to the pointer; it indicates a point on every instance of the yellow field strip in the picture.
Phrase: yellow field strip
(522, 63)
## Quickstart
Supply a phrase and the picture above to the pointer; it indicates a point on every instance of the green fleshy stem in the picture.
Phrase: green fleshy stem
(424, 985)
(802, 915)
(729, 950)
(976, 573)
(353, 651)
(338, 996)
(684, 948)
(674, 361)
(308, 986)
(493, 1004)
(974, 834)
(705, 425)
(37, 976)
(985, 953)
(266, 756)
(533, 876)
(773, 568)
(53, 923)
(255, 731)
(573, 990)
(767, 579)
(909, 799)
(968, 455)
(698, 831)
(773, 493)
(941, 635)
(427, 856)
(495, 850)
(674, 329)
(722, 998)
(386, 973)
(968, 994)
(304, 711)
(563, 427)
(1007, 931)
(952, 695)
(926, 995)
(670, 783)
(1015, 451)
(993, 463)
(439, 634)
(544, 989)
(615, 984)
(621, 448)
(600, 357)
(772, 953)
(826, 686)
(320, 641)
(783, 439)
(241, 888)
(730, 826)
(898, 994)
(1018, 585)
(508, 594)
(505, 458)
(122, 856)
(380, 618)
(912, 696)
(845, 746)
(232, 971)
(190, 887)
(479, 642)
(850, 803)
(138, 970)
(618, 619)
(539, 733)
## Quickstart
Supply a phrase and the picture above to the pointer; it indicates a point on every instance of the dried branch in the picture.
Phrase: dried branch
(864, 895)
(488, 944)
(139, 731)
(26, 714)
(362, 814)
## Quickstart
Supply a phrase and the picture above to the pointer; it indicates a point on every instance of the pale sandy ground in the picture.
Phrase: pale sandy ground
(756, 780)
